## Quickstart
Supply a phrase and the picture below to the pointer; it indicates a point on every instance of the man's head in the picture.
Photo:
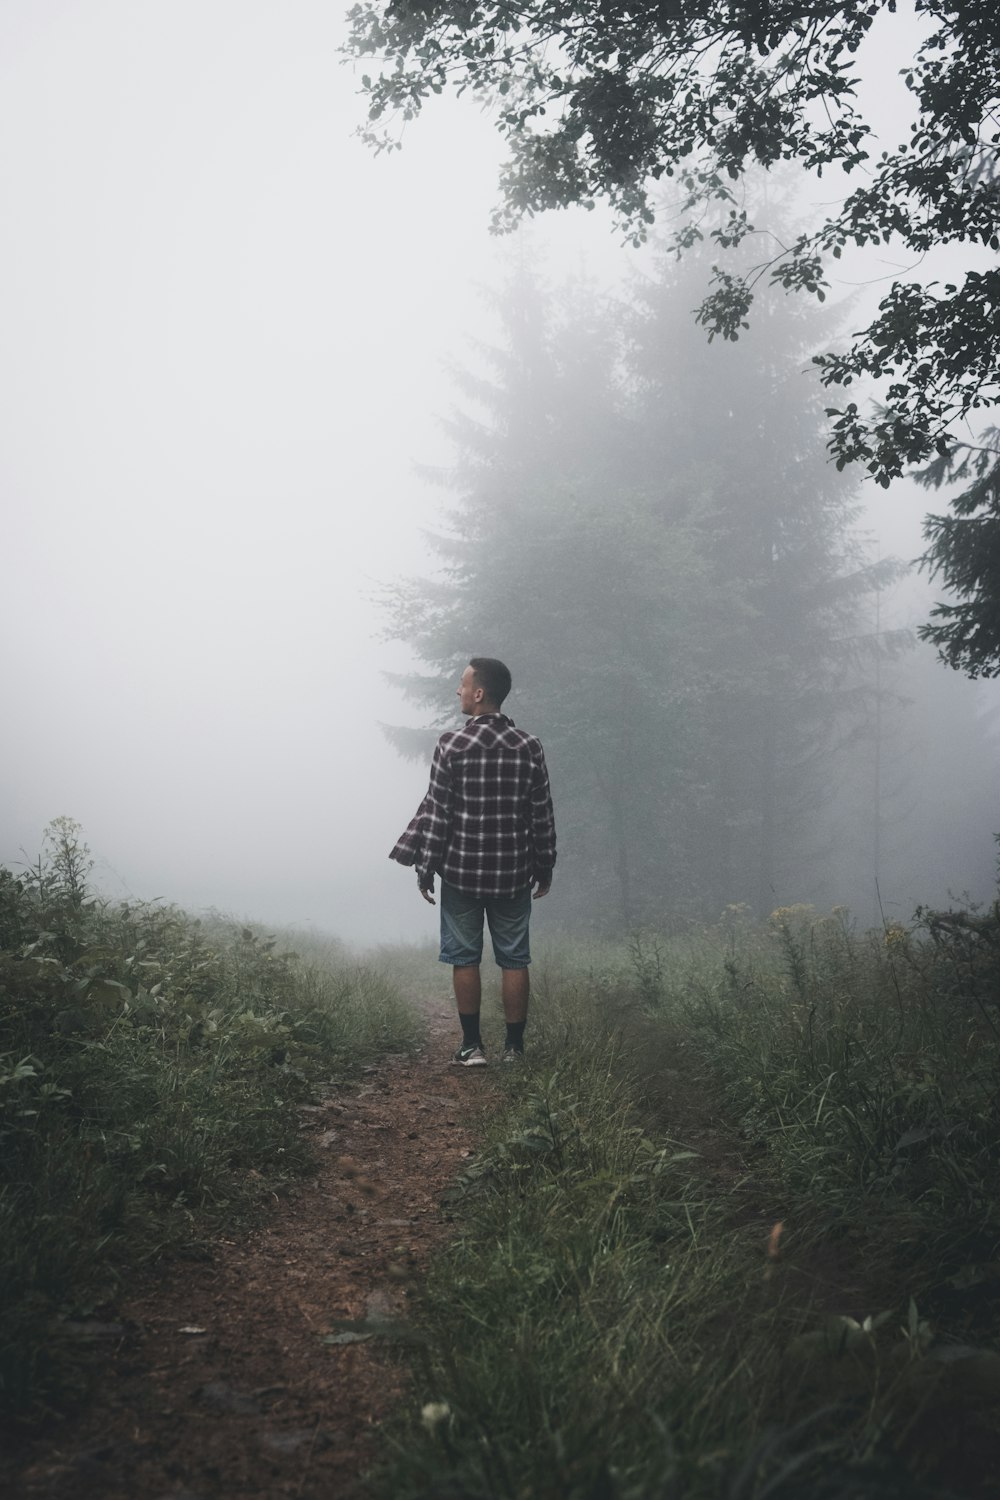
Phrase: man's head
(485, 684)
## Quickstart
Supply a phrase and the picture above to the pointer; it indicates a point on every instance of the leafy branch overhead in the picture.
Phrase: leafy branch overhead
(600, 102)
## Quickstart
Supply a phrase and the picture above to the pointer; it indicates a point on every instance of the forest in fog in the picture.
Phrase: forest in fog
(293, 433)
(231, 432)
(647, 527)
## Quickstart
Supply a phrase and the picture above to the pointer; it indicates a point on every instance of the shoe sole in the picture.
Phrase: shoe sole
(468, 1062)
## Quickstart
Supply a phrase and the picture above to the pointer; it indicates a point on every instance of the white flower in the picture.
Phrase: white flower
(434, 1413)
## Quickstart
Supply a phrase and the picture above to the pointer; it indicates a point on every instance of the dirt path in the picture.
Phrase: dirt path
(218, 1381)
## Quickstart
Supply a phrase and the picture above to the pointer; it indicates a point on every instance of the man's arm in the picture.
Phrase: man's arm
(436, 821)
(423, 841)
(543, 827)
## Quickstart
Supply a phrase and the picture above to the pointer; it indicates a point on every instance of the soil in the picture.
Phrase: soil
(258, 1374)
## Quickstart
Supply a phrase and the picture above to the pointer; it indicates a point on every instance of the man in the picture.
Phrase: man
(486, 827)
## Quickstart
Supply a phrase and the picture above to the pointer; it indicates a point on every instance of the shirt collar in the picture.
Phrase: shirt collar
(479, 718)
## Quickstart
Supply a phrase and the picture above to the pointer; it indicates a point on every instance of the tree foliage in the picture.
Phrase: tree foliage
(965, 551)
(608, 102)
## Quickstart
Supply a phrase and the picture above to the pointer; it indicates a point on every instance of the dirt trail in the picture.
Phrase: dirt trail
(217, 1379)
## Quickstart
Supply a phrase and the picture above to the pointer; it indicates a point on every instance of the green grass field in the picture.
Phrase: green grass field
(735, 1230)
(732, 1232)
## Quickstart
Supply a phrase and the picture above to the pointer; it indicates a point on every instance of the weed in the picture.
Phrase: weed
(150, 1069)
(620, 1314)
(646, 956)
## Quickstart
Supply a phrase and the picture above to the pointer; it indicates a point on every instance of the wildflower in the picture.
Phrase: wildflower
(434, 1413)
(801, 911)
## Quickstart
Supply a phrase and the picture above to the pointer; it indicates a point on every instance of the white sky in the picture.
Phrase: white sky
(223, 326)
(222, 332)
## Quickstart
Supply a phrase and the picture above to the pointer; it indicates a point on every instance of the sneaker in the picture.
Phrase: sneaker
(513, 1055)
(470, 1057)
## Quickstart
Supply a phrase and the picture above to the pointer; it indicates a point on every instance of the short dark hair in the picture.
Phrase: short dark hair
(492, 676)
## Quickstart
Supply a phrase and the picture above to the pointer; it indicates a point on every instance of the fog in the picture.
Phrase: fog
(226, 338)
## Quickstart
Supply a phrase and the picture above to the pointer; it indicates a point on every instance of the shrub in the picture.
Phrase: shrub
(150, 1069)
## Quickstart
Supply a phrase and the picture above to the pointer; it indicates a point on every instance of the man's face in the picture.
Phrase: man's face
(470, 694)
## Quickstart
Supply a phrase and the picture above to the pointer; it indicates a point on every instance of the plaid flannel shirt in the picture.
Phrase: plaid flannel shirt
(486, 824)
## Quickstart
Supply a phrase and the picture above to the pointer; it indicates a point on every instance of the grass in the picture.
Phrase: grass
(867, 1077)
(151, 1067)
(733, 1234)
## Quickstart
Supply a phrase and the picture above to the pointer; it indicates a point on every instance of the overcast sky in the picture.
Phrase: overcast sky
(224, 327)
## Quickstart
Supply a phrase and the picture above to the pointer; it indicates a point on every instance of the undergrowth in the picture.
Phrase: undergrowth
(150, 1069)
(865, 1069)
(734, 1231)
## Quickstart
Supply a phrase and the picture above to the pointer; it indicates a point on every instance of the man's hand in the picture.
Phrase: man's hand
(542, 888)
(428, 895)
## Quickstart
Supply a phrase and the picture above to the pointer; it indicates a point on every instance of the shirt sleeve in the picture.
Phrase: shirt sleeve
(437, 808)
(423, 841)
(543, 821)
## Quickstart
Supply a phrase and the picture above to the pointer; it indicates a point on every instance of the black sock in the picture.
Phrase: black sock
(515, 1035)
(470, 1030)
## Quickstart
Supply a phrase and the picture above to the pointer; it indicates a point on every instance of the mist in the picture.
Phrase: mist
(228, 338)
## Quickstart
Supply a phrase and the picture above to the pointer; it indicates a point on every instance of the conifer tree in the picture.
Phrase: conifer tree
(552, 564)
(733, 439)
(608, 102)
(651, 539)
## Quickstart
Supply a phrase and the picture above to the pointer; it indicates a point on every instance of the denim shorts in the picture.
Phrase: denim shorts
(462, 927)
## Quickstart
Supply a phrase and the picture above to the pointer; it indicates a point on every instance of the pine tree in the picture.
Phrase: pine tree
(733, 439)
(650, 537)
(551, 563)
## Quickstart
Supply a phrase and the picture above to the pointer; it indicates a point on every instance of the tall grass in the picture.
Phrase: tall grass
(733, 1232)
(866, 1069)
(150, 1069)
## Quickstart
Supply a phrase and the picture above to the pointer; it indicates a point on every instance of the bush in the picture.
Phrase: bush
(150, 1069)
(867, 1074)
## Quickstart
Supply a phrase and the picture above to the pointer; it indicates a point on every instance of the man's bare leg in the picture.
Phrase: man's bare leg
(468, 997)
(468, 989)
(515, 987)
